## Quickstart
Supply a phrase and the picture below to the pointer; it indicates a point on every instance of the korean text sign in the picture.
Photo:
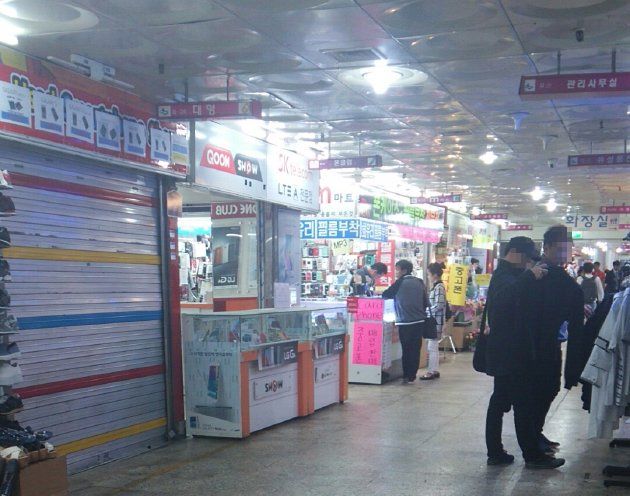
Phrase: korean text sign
(457, 282)
(367, 342)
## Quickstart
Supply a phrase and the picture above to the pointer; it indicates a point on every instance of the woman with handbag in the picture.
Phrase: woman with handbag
(410, 301)
(437, 309)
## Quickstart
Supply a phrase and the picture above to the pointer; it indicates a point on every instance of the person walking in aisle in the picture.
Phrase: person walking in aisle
(613, 278)
(509, 356)
(437, 306)
(592, 288)
(555, 303)
(598, 272)
(410, 302)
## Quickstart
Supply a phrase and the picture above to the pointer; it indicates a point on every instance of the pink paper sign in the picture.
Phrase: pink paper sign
(370, 309)
(366, 343)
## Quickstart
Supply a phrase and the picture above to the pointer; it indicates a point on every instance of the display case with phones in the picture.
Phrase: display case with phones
(245, 371)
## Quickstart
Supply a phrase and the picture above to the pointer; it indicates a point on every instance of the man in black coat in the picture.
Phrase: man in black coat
(556, 302)
(510, 354)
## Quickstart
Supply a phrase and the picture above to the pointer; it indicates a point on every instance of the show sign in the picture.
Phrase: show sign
(452, 198)
(599, 159)
(203, 111)
(361, 162)
(289, 180)
(600, 84)
(51, 105)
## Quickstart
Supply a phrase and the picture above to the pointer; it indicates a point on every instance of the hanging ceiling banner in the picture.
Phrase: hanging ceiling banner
(520, 227)
(362, 162)
(621, 209)
(574, 85)
(593, 221)
(452, 198)
(204, 111)
(610, 159)
(499, 216)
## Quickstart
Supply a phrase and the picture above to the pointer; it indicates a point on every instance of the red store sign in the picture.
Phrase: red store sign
(520, 227)
(501, 216)
(574, 85)
(210, 110)
(621, 209)
(611, 159)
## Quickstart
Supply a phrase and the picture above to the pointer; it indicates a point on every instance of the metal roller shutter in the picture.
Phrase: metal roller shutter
(87, 293)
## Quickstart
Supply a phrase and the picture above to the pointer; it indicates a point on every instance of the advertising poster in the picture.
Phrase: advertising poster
(289, 249)
(457, 282)
(226, 243)
(107, 131)
(367, 343)
(135, 135)
(48, 113)
(15, 104)
(180, 150)
(160, 145)
(211, 378)
(80, 121)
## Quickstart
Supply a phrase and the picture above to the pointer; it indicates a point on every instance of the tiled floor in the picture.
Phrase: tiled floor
(424, 439)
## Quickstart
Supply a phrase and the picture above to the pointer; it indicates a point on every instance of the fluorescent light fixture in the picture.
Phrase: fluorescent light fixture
(488, 158)
(381, 77)
(537, 194)
(9, 32)
(551, 205)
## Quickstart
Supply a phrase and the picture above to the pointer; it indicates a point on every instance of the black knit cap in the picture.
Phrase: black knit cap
(524, 245)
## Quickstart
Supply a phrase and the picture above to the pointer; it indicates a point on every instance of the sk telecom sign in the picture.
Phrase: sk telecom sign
(600, 159)
(501, 216)
(363, 162)
(204, 111)
(437, 199)
(574, 85)
(622, 209)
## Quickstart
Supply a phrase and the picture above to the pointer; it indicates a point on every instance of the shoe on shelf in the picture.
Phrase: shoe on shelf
(545, 462)
(429, 376)
(11, 404)
(8, 324)
(5, 180)
(9, 352)
(7, 207)
(5, 238)
(10, 374)
(503, 459)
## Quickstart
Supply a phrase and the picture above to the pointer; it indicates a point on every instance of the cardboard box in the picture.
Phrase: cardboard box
(47, 478)
(457, 332)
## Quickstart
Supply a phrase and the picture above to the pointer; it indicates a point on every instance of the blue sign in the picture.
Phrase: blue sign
(351, 228)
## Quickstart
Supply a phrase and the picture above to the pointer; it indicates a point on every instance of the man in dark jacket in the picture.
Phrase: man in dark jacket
(555, 302)
(410, 302)
(509, 355)
(613, 278)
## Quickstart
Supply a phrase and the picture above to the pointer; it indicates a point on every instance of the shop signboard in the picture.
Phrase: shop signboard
(352, 228)
(619, 209)
(599, 159)
(203, 111)
(233, 210)
(385, 254)
(229, 161)
(599, 84)
(519, 227)
(367, 342)
(457, 282)
(290, 182)
(335, 200)
(624, 227)
(592, 221)
(452, 198)
(361, 162)
(495, 216)
(394, 212)
(65, 106)
(411, 233)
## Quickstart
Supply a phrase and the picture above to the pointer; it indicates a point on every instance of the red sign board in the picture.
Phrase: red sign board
(621, 209)
(232, 210)
(501, 216)
(221, 159)
(364, 162)
(610, 159)
(624, 226)
(437, 199)
(210, 110)
(520, 227)
(386, 254)
(574, 85)
(352, 304)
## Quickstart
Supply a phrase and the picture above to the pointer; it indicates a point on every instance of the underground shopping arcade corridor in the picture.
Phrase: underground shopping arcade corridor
(424, 438)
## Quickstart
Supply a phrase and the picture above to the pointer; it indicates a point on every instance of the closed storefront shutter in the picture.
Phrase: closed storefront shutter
(86, 290)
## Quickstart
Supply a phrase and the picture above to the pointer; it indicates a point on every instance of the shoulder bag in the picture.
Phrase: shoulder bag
(429, 330)
(479, 357)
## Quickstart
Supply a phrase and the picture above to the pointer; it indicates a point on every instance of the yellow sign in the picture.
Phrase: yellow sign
(457, 282)
(341, 246)
(483, 280)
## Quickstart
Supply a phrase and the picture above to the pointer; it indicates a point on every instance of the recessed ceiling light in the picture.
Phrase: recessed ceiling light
(537, 194)
(488, 158)
(551, 205)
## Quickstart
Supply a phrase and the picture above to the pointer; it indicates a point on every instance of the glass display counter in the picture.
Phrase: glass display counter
(375, 352)
(245, 371)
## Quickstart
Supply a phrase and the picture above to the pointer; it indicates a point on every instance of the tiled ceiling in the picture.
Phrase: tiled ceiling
(285, 52)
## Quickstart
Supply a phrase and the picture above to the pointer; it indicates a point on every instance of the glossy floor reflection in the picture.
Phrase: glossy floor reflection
(420, 439)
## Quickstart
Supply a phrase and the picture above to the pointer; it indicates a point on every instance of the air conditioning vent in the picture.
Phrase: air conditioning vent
(355, 55)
